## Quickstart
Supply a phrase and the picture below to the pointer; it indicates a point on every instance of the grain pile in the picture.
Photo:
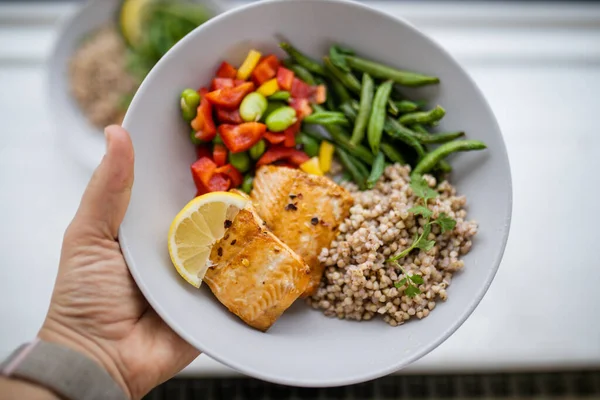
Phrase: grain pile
(358, 284)
(99, 78)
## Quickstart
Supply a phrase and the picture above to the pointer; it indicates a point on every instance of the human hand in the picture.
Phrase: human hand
(96, 307)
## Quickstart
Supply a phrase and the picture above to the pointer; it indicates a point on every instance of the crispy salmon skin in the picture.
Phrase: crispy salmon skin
(254, 274)
(302, 210)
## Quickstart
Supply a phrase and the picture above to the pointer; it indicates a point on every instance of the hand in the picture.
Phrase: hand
(96, 307)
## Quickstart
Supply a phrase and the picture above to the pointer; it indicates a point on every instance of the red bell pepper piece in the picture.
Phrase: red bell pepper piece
(285, 78)
(203, 124)
(290, 135)
(238, 82)
(206, 178)
(319, 94)
(274, 138)
(280, 153)
(219, 154)
(241, 137)
(232, 173)
(265, 70)
(203, 151)
(286, 164)
(302, 107)
(229, 116)
(230, 98)
(226, 70)
(221, 83)
(300, 89)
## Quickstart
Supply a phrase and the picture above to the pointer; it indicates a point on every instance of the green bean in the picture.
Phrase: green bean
(218, 140)
(406, 106)
(258, 149)
(364, 111)
(392, 108)
(309, 144)
(419, 128)
(349, 112)
(329, 100)
(377, 70)
(423, 117)
(248, 183)
(376, 170)
(281, 119)
(436, 138)
(378, 115)
(339, 89)
(434, 157)
(347, 78)
(444, 167)
(394, 155)
(327, 118)
(190, 99)
(241, 161)
(195, 140)
(336, 55)
(303, 74)
(303, 60)
(351, 165)
(318, 108)
(397, 131)
(315, 132)
(341, 138)
(253, 107)
(280, 95)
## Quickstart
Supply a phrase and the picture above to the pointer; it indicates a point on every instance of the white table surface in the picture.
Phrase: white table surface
(538, 65)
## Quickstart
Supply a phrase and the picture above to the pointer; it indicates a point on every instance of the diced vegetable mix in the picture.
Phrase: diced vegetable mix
(262, 113)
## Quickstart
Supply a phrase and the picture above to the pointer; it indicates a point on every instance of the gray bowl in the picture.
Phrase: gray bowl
(304, 348)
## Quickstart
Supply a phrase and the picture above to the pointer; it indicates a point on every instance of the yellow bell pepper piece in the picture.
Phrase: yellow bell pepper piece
(248, 65)
(312, 167)
(269, 87)
(325, 156)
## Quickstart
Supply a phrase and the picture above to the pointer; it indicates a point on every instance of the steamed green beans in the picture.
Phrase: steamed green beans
(378, 115)
(347, 79)
(376, 170)
(423, 117)
(392, 154)
(377, 70)
(397, 131)
(432, 159)
(327, 118)
(340, 138)
(364, 111)
(351, 165)
(302, 73)
(303, 60)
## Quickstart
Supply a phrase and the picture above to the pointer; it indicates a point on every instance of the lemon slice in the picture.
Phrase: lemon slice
(131, 20)
(197, 228)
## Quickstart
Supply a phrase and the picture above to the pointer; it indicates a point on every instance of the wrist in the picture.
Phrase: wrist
(55, 332)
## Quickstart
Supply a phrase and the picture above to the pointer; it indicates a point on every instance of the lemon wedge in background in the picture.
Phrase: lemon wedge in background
(131, 19)
(196, 228)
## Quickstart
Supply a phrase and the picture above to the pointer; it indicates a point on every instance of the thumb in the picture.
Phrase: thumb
(106, 198)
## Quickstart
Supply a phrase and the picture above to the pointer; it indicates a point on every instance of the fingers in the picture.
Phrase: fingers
(106, 198)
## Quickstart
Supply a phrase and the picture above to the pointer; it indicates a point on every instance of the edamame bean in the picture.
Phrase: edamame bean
(309, 144)
(432, 159)
(378, 115)
(281, 119)
(280, 95)
(241, 161)
(392, 154)
(382, 71)
(248, 183)
(258, 150)
(327, 118)
(273, 106)
(302, 60)
(364, 111)
(195, 140)
(347, 79)
(253, 107)
(376, 170)
(190, 99)
(423, 117)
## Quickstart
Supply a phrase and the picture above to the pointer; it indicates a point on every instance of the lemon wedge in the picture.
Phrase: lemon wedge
(131, 19)
(197, 227)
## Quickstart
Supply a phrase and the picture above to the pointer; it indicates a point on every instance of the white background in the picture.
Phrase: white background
(538, 65)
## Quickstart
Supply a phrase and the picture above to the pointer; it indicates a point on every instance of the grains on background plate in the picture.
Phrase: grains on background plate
(358, 284)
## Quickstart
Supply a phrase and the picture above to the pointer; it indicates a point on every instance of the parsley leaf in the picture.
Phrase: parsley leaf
(412, 291)
(425, 245)
(445, 222)
(422, 190)
(417, 279)
(421, 210)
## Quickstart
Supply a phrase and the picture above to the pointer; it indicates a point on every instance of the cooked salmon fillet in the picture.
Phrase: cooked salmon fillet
(302, 210)
(254, 274)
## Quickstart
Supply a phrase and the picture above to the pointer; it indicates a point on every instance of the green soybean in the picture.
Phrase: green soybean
(376, 170)
(392, 154)
(253, 107)
(364, 110)
(397, 131)
(433, 158)
(381, 71)
(257, 150)
(378, 115)
(248, 183)
(347, 78)
(280, 95)
(303, 60)
(309, 144)
(281, 119)
(273, 106)
(423, 117)
(190, 99)
(241, 161)
(327, 118)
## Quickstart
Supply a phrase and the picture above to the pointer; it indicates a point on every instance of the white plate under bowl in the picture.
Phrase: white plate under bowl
(304, 347)
(84, 141)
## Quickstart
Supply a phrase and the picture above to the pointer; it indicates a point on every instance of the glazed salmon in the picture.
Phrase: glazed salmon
(302, 210)
(254, 274)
